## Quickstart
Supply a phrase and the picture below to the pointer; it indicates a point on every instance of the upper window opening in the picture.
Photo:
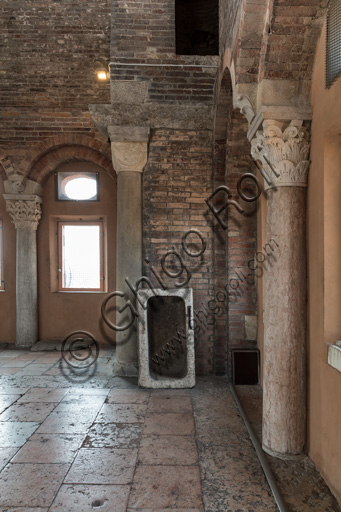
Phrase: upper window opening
(77, 187)
(333, 43)
(197, 27)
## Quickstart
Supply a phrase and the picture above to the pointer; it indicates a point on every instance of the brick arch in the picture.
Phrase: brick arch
(224, 106)
(274, 40)
(48, 162)
(294, 32)
(6, 167)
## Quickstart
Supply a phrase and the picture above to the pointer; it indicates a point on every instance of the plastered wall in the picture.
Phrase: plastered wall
(7, 296)
(62, 312)
(324, 275)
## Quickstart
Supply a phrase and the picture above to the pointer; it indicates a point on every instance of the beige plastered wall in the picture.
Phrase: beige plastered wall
(60, 313)
(324, 275)
(7, 297)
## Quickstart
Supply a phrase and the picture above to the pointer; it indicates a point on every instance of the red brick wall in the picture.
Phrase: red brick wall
(177, 181)
(241, 234)
(49, 57)
(171, 84)
(142, 29)
(295, 28)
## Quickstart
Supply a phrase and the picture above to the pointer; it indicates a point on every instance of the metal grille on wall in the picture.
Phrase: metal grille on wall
(333, 46)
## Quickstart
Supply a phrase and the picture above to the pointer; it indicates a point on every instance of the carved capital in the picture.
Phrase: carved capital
(25, 214)
(283, 151)
(129, 156)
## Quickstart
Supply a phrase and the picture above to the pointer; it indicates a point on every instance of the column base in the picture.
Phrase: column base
(23, 344)
(125, 369)
(283, 456)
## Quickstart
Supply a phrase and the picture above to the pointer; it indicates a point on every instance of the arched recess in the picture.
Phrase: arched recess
(48, 161)
(62, 312)
(234, 243)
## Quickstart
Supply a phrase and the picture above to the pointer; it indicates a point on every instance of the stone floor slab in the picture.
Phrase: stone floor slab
(50, 448)
(169, 403)
(63, 422)
(103, 466)
(166, 487)
(44, 395)
(165, 510)
(16, 363)
(85, 498)
(34, 369)
(5, 455)
(22, 509)
(7, 401)
(128, 396)
(27, 412)
(5, 390)
(9, 371)
(122, 413)
(168, 450)
(83, 404)
(31, 485)
(113, 435)
(174, 424)
(15, 434)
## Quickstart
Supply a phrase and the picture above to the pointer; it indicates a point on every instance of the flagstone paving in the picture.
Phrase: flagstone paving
(84, 440)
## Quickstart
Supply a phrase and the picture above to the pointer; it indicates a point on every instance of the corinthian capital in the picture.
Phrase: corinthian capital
(25, 213)
(283, 150)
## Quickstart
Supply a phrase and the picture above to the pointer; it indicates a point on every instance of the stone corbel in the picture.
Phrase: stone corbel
(283, 150)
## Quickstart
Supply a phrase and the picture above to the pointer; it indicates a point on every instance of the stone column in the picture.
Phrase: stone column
(129, 146)
(25, 211)
(283, 150)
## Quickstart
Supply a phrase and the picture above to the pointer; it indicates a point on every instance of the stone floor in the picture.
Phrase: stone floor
(82, 440)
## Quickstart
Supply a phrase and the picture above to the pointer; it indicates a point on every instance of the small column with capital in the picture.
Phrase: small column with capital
(25, 210)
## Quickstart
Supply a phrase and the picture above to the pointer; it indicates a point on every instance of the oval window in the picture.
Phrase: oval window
(80, 188)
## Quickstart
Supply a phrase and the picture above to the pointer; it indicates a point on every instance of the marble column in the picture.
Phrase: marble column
(129, 146)
(283, 150)
(25, 211)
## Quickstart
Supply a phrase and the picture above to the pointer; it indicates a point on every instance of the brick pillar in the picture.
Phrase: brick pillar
(284, 149)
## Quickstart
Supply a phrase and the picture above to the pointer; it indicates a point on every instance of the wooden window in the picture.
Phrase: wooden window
(81, 256)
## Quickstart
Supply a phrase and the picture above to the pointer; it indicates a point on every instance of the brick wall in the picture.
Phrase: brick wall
(294, 31)
(176, 183)
(170, 84)
(229, 16)
(49, 57)
(142, 29)
(241, 236)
